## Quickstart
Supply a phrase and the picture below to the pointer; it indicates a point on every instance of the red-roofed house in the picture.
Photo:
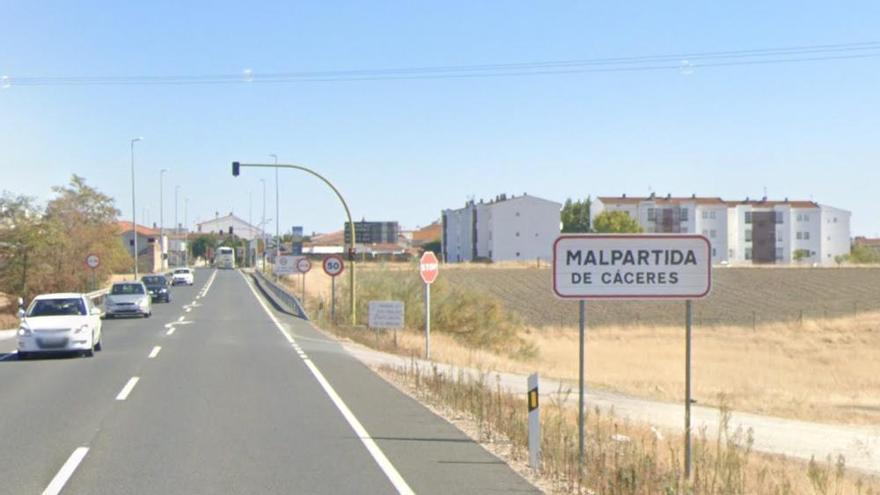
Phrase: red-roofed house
(149, 250)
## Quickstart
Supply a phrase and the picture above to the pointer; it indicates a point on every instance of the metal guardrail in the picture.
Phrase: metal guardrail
(97, 298)
(281, 295)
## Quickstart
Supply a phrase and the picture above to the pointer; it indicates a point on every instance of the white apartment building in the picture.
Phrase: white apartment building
(507, 228)
(744, 232)
(229, 225)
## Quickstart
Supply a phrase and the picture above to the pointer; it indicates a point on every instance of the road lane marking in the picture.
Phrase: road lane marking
(123, 394)
(187, 310)
(13, 353)
(66, 471)
(384, 464)
(170, 331)
(154, 352)
(181, 318)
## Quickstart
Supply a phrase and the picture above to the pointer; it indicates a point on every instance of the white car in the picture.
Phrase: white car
(128, 299)
(182, 276)
(59, 323)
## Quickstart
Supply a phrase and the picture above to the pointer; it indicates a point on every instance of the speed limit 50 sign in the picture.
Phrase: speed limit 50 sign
(333, 265)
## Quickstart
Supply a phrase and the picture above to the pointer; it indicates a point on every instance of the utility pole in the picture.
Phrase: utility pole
(263, 224)
(185, 232)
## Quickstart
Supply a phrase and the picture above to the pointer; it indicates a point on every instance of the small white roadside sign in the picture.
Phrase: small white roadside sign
(657, 266)
(285, 265)
(386, 314)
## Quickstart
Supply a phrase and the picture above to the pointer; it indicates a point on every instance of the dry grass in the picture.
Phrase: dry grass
(826, 371)
(622, 457)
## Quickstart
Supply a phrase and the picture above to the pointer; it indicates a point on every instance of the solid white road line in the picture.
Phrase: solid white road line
(123, 394)
(384, 464)
(170, 331)
(8, 356)
(154, 352)
(66, 471)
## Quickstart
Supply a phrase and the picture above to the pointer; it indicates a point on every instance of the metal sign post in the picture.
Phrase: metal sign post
(657, 266)
(333, 266)
(687, 389)
(93, 262)
(429, 268)
(303, 265)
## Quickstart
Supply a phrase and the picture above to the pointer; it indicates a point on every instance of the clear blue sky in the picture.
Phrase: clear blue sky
(405, 149)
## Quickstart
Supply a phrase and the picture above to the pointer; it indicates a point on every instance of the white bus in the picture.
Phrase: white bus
(225, 257)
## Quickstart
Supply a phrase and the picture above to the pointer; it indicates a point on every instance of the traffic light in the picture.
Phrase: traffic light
(235, 168)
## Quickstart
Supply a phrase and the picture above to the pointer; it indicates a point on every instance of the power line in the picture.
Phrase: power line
(681, 61)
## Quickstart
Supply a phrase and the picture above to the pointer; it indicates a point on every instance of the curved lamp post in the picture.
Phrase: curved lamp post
(351, 273)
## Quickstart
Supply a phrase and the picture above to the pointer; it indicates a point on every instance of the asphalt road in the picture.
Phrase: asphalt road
(238, 398)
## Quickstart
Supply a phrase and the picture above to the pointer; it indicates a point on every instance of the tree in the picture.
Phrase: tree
(576, 216)
(864, 255)
(616, 222)
(201, 244)
(44, 250)
(801, 254)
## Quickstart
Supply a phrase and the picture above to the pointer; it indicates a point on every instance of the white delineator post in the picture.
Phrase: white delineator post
(534, 423)
(429, 268)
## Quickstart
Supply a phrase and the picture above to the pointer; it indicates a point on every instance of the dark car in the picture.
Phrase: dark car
(157, 286)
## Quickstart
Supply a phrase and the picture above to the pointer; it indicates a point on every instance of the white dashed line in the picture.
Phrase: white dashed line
(154, 352)
(170, 331)
(66, 471)
(123, 394)
(181, 318)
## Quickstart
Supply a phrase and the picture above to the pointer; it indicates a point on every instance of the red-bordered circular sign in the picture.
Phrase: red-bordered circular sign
(93, 261)
(333, 265)
(303, 265)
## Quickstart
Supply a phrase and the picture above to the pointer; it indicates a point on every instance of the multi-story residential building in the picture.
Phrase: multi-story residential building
(743, 232)
(507, 228)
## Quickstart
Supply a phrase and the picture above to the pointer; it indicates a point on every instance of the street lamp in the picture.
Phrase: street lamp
(185, 232)
(277, 214)
(134, 209)
(263, 224)
(176, 225)
(236, 169)
(162, 243)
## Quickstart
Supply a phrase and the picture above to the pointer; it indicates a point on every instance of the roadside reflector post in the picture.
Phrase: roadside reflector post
(534, 423)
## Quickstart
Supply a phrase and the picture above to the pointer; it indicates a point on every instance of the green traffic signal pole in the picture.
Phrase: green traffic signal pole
(351, 276)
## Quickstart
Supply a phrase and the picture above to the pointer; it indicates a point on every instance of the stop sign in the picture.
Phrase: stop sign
(429, 267)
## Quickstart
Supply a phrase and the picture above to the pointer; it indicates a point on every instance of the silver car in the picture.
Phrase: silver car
(128, 299)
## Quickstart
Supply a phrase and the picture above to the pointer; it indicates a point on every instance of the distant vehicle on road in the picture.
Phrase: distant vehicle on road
(182, 276)
(225, 257)
(157, 286)
(64, 322)
(128, 299)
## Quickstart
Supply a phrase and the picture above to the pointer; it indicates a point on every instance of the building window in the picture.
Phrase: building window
(705, 214)
(800, 217)
(714, 253)
(748, 217)
(683, 214)
(806, 236)
(748, 235)
(806, 217)
(731, 253)
(778, 216)
(835, 219)
(652, 214)
(517, 254)
(778, 254)
(712, 214)
(800, 236)
(748, 254)
(712, 234)
(517, 234)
